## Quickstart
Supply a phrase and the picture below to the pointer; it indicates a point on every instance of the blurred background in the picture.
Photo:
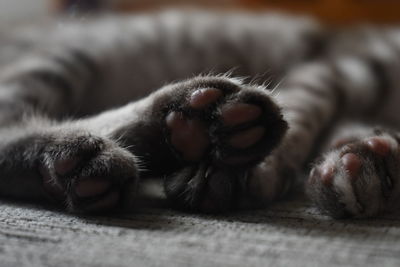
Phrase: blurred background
(330, 11)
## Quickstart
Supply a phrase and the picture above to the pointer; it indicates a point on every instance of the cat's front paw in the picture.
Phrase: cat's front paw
(220, 128)
(359, 178)
(222, 120)
(87, 173)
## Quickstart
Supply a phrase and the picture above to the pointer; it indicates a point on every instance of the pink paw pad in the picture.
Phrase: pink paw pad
(379, 146)
(189, 137)
(247, 138)
(326, 174)
(239, 113)
(352, 164)
(63, 166)
(204, 97)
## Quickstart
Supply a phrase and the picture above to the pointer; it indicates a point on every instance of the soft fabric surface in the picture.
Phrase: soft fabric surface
(290, 233)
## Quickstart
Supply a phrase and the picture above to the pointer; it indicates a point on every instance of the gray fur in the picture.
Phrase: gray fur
(113, 80)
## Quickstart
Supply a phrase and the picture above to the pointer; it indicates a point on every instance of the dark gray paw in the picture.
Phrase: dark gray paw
(87, 173)
(357, 179)
(220, 128)
(222, 120)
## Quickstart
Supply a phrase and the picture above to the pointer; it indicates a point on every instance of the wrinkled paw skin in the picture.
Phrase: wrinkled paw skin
(87, 174)
(358, 179)
(219, 128)
(223, 120)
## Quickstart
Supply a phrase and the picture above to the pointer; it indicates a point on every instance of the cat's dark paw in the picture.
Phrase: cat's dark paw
(222, 120)
(87, 173)
(220, 128)
(359, 178)
(205, 188)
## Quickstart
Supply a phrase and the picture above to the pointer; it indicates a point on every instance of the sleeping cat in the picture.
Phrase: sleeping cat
(89, 107)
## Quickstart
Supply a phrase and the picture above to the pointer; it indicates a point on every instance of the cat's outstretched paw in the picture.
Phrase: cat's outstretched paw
(220, 128)
(221, 120)
(359, 178)
(87, 173)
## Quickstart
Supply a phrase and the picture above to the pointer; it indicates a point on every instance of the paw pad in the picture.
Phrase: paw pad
(352, 164)
(90, 187)
(201, 98)
(379, 146)
(234, 114)
(326, 174)
(189, 137)
(63, 166)
(247, 138)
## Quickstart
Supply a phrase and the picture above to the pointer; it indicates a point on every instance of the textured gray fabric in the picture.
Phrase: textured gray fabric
(290, 233)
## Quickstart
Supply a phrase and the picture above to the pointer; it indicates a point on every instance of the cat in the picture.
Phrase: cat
(89, 107)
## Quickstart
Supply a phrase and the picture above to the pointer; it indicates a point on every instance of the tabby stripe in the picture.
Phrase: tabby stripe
(84, 59)
(383, 90)
(55, 81)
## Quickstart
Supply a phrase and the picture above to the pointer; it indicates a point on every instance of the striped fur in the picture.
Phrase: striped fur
(80, 101)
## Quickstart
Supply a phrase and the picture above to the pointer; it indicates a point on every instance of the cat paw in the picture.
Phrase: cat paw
(87, 173)
(220, 129)
(222, 120)
(357, 179)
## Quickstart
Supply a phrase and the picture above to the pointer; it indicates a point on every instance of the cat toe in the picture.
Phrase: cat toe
(188, 136)
(246, 138)
(380, 145)
(89, 187)
(202, 98)
(238, 113)
(352, 164)
(63, 166)
(95, 195)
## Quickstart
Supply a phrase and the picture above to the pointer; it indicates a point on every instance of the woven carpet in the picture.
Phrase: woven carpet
(289, 233)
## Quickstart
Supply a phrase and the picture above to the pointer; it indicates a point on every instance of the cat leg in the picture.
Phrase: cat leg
(312, 96)
(83, 172)
(309, 100)
(202, 135)
(358, 176)
(43, 159)
(212, 123)
(360, 76)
